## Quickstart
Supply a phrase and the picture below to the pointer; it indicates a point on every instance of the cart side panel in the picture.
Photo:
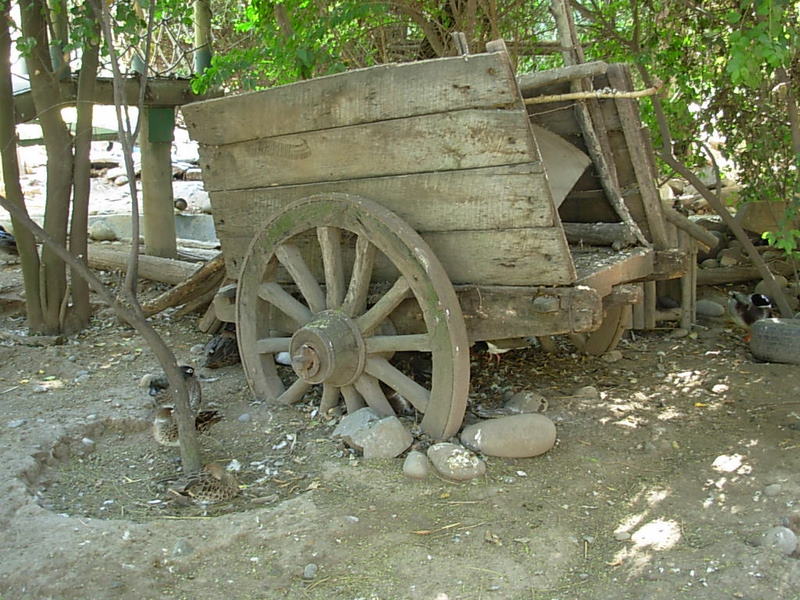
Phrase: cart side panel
(449, 141)
(423, 166)
(363, 96)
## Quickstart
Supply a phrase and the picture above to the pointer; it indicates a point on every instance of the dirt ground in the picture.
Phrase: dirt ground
(660, 489)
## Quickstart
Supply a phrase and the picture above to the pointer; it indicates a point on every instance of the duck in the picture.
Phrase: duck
(212, 485)
(161, 395)
(221, 350)
(8, 243)
(747, 309)
(165, 427)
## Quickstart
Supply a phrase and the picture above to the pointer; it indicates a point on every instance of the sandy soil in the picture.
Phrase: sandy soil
(659, 489)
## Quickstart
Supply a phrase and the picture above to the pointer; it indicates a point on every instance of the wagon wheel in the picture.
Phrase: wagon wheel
(335, 337)
(607, 336)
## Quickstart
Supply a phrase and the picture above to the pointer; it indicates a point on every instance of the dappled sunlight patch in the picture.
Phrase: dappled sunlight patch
(658, 534)
(731, 463)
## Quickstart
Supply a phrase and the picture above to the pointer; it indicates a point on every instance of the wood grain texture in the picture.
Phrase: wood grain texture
(527, 256)
(462, 139)
(494, 197)
(497, 312)
(361, 96)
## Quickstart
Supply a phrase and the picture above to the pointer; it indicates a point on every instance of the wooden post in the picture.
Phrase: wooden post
(202, 35)
(155, 141)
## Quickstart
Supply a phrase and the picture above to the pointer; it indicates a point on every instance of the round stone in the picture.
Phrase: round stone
(780, 538)
(709, 308)
(517, 436)
(416, 465)
(455, 462)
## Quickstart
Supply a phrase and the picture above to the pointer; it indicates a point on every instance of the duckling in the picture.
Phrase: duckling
(211, 485)
(221, 350)
(159, 389)
(746, 310)
(165, 427)
(8, 242)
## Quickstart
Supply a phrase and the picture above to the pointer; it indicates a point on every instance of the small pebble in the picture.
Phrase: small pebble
(310, 571)
(622, 536)
(182, 548)
(780, 538)
(612, 356)
(416, 465)
(197, 349)
(773, 489)
(16, 423)
(244, 417)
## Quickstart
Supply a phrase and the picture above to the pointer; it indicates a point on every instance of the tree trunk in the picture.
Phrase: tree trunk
(58, 143)
(26, 243)
(78, 318)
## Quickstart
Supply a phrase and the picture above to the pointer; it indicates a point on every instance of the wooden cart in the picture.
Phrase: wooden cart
(390, 209)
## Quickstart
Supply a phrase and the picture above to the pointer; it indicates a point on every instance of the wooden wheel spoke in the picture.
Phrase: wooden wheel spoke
(294, 393)
(384, 306)
(290, 257)
(397, 380)
(273, 345)
(371, 390)
(330, 398)
(286, 303)
(330, 243)
(352, 399)
(356, 298)
(417, 342)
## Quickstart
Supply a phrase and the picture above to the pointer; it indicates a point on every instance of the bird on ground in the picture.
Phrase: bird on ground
(210, 486)
(497, 348)
(747, 309)
(221, 350)
(165, 427)
(8, 242)
(162, 396)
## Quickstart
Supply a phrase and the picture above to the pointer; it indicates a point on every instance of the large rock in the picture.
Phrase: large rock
(375, 437)
(517, 436)
(455, 462)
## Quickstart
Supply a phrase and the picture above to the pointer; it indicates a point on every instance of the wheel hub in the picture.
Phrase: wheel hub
(328, 349)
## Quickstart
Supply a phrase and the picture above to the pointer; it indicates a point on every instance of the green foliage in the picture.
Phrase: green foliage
(297, 39)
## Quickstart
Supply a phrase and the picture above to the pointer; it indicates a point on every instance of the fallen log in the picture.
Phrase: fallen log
(154, 268)
(206, 278)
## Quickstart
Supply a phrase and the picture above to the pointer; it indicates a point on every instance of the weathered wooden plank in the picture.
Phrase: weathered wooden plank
(488, 198)
(603, 270)
(497, 312)
(619, 77)
(559, 117)
(529, 256)
(530, 83)
(456, 140)
(362, 96)
(533, 256)
(598, 234)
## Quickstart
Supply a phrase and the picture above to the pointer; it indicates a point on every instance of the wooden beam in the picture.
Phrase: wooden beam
(530, 82)
(599, 234)
(159, 92)
(693, 229)
(619, 78)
